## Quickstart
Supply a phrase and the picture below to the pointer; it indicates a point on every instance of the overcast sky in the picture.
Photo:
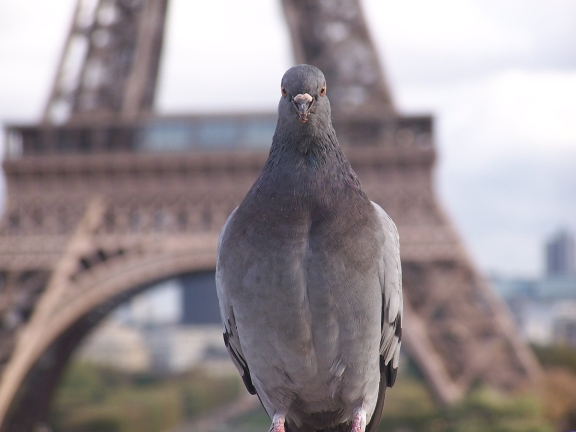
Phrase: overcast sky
(498, 75)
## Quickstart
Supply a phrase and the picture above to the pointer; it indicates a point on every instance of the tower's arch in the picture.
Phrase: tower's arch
(38, 364)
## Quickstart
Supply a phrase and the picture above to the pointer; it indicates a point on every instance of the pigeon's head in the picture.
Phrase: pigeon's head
(304, 93)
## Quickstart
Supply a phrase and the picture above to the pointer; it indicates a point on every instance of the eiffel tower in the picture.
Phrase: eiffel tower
(105, 199)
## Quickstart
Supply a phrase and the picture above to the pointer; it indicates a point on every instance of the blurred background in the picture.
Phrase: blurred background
(499, 77)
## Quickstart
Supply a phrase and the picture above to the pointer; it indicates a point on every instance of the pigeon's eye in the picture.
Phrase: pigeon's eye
(284, 92)
(323, 90)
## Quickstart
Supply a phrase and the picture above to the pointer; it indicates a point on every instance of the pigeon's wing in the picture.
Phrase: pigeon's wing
(231, 338)
(391, 282)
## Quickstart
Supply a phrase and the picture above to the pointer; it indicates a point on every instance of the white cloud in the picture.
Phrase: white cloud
(483, 119)
(223, 56)
(450, 40)
(442, 28)
(31, 39)
(507, 209)
(535, 109)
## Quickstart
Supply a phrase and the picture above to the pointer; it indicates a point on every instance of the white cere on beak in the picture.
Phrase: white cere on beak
(299, 98)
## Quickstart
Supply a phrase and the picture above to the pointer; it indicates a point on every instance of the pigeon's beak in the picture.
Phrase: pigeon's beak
(303, 103)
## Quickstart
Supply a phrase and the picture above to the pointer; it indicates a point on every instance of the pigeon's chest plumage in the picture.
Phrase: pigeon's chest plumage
(302, 269)
(319, 225)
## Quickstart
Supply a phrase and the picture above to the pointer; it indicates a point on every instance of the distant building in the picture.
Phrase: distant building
(560, 279)
(199, 299)
(545, 308)
(171, 327)
(565, 325)
(200, 345)
(160, 305)
(560, 287)
(159, 342)
(515, 287)
(561, 255)
(160, 348)
(116, 345)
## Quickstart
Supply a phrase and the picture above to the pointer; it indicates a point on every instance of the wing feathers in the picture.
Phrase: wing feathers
(231, 339)
(393, 307)
(240, 364)
(392, 299)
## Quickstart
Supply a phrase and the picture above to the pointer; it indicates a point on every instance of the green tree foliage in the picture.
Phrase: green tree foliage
(93, 399)
(411, 408)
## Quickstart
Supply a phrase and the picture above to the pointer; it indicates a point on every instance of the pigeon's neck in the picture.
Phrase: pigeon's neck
(305, 182)
(312, 146)
(307, 171)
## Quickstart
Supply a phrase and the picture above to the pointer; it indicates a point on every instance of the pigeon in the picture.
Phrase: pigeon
(308, 277)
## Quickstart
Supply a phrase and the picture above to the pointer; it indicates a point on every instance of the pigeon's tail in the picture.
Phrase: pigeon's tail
(345, 427)
(377, 415)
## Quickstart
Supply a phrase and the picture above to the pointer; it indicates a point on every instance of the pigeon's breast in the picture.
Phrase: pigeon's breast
(307, 302)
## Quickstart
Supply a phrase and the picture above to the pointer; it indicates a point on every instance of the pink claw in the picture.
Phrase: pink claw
(359, 421)
(278, 423)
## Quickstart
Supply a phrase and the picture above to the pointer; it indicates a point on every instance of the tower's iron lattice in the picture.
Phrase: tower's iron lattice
(96, 214)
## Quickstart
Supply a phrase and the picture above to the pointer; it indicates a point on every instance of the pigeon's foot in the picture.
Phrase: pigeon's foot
(359, 421)
(278, 423)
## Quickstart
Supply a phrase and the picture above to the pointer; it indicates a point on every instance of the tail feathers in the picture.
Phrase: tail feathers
(377, 415)
(345, 427)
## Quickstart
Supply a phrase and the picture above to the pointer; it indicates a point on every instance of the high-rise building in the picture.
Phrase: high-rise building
(199, 299)
(561, 255)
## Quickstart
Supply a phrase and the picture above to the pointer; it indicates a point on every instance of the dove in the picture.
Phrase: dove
(308, 277)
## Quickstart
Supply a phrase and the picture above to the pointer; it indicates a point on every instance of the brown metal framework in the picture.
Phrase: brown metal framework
(106, 204)
(110, 61)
